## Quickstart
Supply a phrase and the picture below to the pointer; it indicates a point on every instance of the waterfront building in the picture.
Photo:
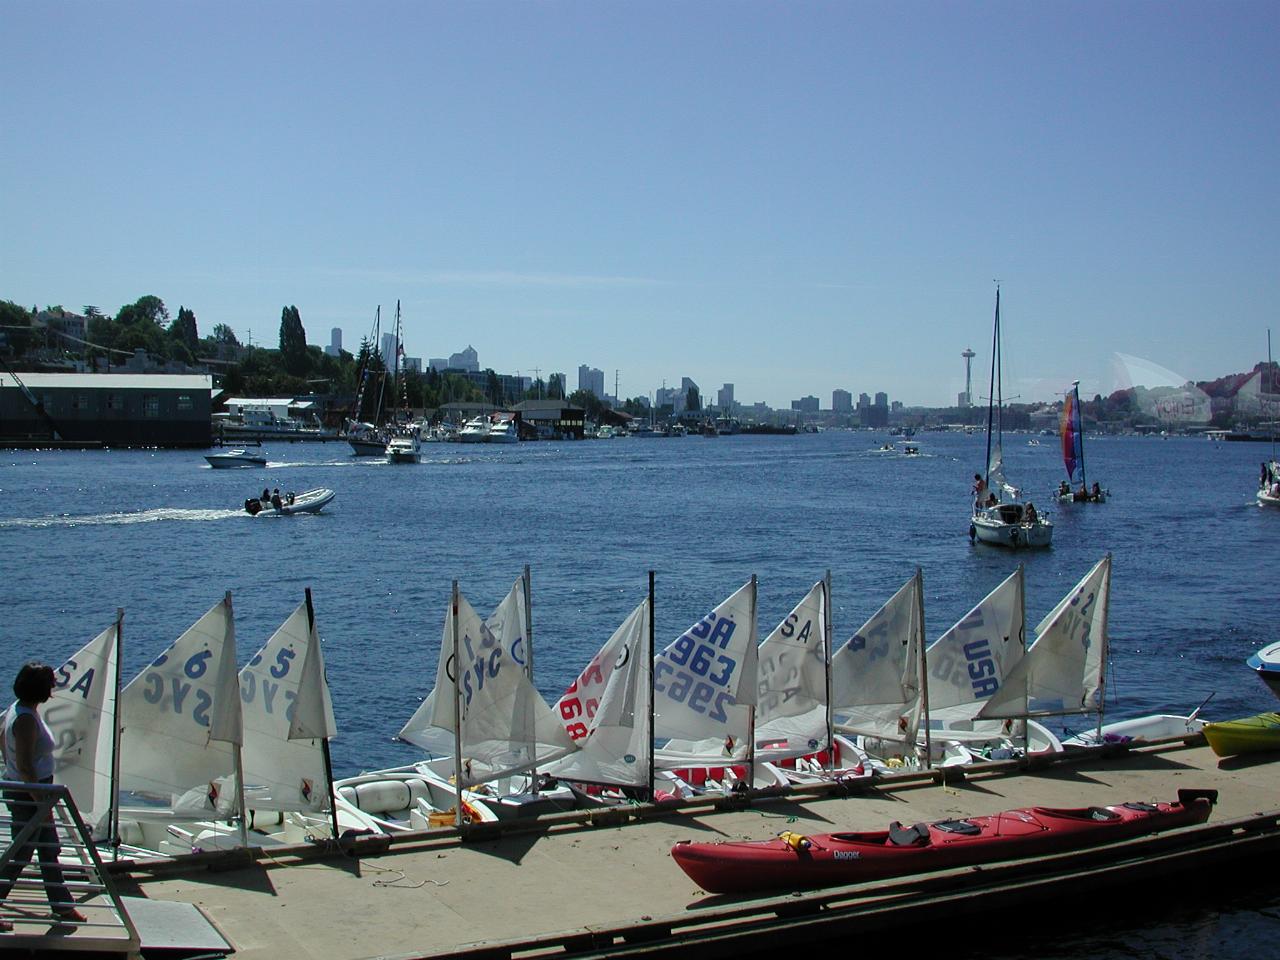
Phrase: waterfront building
(114, 409)
(805, 404)
(552, 419)
(841, 401)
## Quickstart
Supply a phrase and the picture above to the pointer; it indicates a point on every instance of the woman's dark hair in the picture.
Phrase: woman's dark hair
(34, 681)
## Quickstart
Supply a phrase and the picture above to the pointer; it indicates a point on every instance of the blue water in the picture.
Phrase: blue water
(161, 535)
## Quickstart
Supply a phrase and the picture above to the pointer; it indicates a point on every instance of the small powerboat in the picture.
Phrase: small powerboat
(792, 861)
(284, 504)
(1266, 663)
(233, 459)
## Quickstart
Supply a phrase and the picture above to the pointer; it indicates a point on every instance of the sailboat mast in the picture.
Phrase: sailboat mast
(826, 656)
(528, 646)
(324, 741)
(651, 656)
(991, 389)
(239, 746)
(1271, 375)
(924, 669)
(457, 713)
(1078, 414)
(751, 725)
(113, 811)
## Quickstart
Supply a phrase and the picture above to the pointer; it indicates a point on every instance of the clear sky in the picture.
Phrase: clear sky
(792, 197)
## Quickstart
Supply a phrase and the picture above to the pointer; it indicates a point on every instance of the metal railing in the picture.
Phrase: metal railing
(37, 922)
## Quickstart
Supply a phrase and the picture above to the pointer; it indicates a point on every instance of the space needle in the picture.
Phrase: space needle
(966, 398)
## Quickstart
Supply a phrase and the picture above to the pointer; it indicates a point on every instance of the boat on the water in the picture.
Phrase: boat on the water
(503, 429)
(1002, 519)
(309, 502)
(236, 459)
(1256, 734)
(1266, 663)
(792, 860)
(1072, 433)
(403, 449)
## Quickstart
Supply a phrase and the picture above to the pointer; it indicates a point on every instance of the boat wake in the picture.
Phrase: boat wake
(111, 519)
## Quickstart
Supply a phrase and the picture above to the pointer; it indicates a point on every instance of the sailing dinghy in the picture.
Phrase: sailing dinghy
(485, 727)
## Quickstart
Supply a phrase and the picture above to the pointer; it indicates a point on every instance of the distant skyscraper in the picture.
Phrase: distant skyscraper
(724, 398)
(805, 404)
(841, 401)
(591, 380)
(864, 401)
(334, 349)
(882, 399)
(389, 349)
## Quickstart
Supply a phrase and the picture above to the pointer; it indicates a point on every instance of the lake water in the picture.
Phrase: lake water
(161, 535)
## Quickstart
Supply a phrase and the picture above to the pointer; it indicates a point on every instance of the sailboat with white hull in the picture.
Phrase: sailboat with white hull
(1002, 519)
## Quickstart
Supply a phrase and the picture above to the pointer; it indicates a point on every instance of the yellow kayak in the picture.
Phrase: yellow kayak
(1247, 735)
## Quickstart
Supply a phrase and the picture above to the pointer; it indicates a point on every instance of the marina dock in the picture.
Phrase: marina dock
(602, 883)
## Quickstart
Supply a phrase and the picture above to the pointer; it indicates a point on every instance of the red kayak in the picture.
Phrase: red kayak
(792, 860)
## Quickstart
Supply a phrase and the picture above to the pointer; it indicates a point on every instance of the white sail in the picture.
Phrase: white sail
(875, 677)
(1062, 671)
(704, 687)
(791, 718)
(276, 688)
(506, 726)
(969, 663)
(81, 716)
(181, 721)
(607, 711)
(995, 474)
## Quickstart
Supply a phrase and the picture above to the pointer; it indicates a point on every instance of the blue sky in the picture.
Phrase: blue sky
(790, 197)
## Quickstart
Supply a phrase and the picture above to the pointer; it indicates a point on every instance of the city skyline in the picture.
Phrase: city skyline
(788, 199)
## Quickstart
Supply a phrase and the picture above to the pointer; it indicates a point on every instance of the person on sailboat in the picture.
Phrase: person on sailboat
(1096, 493)
(1064, 489)
(28, 747)
(979, 488)
(1030, 514)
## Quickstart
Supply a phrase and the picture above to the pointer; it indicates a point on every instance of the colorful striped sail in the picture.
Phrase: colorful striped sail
(1072, 435)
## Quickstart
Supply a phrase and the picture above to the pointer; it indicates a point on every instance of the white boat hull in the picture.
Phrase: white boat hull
(312, 501)
(236, 459)
(1011, 535)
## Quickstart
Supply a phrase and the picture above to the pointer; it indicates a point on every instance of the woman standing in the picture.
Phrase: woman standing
(28, 757)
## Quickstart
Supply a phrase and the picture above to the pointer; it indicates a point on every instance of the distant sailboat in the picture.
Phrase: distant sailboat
(1072, 431)
(1269, 482)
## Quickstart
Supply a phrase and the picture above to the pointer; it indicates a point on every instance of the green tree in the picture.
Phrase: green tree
(225, 335)
(589, 402)
(15, 324)
(149, 309)
(183, 330)
(293, 343)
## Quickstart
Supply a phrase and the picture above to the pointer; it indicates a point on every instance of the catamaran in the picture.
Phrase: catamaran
(1269, 482)
(1072, 432)
(1002, 519)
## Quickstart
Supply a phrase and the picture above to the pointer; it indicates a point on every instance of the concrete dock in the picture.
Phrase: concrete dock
(604, 883)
